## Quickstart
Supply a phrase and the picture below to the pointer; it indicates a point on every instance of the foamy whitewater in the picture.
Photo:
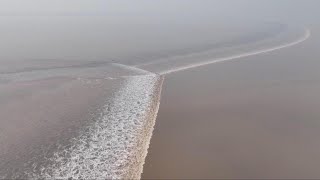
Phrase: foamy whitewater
(115, 146)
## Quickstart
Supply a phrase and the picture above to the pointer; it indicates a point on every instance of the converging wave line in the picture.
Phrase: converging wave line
(306, 35)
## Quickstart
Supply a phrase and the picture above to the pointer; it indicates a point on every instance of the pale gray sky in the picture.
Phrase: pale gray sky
(49, 7)
(251, 9)
(198, 10)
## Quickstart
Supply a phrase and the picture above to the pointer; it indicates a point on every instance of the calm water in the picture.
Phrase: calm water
(255, 117)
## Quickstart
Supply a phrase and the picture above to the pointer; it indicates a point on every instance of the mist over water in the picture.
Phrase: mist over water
(114, 31)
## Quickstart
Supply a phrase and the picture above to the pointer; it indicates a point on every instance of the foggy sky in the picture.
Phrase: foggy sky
(198, 10)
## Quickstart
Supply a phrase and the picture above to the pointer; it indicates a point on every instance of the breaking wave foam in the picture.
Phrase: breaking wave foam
(115, 146)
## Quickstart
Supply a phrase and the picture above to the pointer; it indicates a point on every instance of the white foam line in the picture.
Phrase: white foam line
(131, 68)
(306, 35)
(115, 146)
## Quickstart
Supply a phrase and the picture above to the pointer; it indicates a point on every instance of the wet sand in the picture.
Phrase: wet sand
(255, 117)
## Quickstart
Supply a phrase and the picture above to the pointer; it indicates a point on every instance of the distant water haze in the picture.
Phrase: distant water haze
(110, 30)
